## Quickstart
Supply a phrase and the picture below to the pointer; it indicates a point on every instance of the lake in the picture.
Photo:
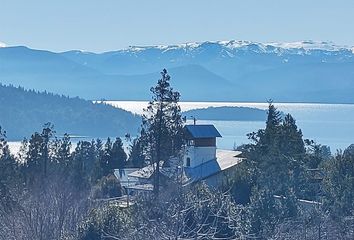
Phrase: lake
(327, 124)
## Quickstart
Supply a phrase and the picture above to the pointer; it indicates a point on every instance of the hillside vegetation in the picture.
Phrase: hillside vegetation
(22, 111)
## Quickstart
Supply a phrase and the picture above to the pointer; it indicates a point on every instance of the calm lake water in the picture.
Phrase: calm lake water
(328, 124)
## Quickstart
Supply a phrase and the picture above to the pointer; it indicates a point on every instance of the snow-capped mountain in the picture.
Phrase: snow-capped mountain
(2, 45)
(233, 45)
(306, 71)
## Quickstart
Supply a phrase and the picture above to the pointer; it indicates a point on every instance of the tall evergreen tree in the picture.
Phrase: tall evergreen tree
(107, 154)
(162, 125)
(316, 154)
(98, 171)
(47, 133)
(84, 158)
(268, 140)
(291, 141)
(278, 151)
(118, 156)
(8, 163)
(62, 150)
(277, 155)
(339, 183)
(274, 117)
(9, 176)
(136, 156)
(38, 158)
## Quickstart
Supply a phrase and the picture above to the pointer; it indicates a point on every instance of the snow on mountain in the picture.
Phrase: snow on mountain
(309, 45)
(300, 47)
(230, 48)
(235, 70)
(2, 45)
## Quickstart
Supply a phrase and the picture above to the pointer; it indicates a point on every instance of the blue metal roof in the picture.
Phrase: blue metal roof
(202, 131)
(203, 171)
(225, 159)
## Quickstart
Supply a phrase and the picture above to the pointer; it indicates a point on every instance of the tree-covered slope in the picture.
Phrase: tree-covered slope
(23, 111)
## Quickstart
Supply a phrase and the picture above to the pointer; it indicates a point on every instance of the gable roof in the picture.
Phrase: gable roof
(202, 131)
(123, 176)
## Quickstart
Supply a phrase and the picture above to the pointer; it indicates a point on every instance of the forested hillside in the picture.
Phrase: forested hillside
(23, 111)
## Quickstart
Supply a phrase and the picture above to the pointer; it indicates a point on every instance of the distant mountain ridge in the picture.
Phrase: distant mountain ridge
(228, 114)
(304, 71)
(277, 47)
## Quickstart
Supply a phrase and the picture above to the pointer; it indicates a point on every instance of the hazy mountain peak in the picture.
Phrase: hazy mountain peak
(2, 45)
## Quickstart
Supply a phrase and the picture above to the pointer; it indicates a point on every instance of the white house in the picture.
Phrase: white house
(200, 161)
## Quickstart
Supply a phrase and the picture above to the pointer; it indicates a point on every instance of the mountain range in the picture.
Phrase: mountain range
(304, 71)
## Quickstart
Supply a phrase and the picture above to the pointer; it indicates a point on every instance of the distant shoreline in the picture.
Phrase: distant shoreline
(137, 107)
(228, 113)
(235, 102)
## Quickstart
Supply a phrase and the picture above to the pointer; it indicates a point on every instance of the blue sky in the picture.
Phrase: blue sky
(102, 25)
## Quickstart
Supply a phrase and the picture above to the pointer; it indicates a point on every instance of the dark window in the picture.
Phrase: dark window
(190, 143)
(188, 162)
(205, 142)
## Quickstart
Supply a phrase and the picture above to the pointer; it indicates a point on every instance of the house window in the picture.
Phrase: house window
(188, 163)
(190, 143)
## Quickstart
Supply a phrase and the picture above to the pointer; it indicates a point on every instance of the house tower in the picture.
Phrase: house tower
(201, 144)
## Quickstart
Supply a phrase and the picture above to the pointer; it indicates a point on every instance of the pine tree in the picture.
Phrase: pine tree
(98, 171)
(62, 153)
(162, 125)
(8, 163)
(269, 140)
(266, 140)
(136, 156)
(118, 156)
(106, 157)
(276, 158)
(38, 159)
(47, 133)
(9, 176)
(274, 116)
(279, 152)
(338, 183)
(84, 158)
(291, 141)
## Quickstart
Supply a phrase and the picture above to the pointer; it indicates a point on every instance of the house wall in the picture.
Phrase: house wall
(220, 179)
(198, 155)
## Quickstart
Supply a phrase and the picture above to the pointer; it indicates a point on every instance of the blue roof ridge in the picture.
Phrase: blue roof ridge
(202, 131)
